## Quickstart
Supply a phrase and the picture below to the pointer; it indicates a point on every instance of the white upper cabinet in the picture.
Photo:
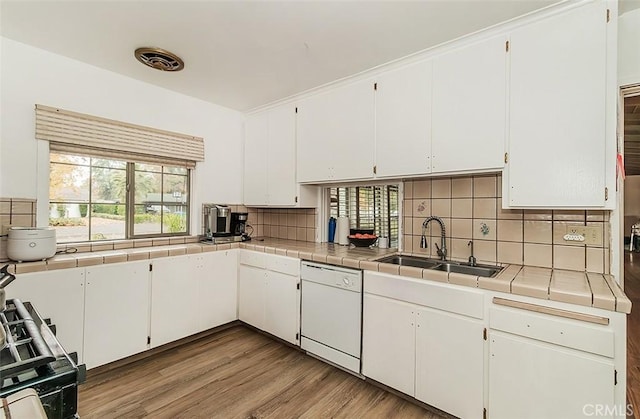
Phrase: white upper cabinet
(403, 121)
(281, 156)
(256, 138)
(270, 160)
(469, 107)
(336, 134)
(557, 135)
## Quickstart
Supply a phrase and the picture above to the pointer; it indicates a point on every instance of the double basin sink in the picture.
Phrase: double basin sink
(442, 265)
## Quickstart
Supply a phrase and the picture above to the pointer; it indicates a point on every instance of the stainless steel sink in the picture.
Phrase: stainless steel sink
(415, 261)
(479, 270)
(440, 265)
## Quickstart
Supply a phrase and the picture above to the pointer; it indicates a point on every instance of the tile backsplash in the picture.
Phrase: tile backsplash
(19, 213)
(283, 223)
(471, 208)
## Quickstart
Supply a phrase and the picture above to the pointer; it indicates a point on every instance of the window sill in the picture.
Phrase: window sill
(82, 247)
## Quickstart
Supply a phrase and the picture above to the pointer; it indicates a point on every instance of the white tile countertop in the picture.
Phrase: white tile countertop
(581, 288)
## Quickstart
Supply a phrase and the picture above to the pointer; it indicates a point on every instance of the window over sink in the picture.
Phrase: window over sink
(372, 207)
(95, 198)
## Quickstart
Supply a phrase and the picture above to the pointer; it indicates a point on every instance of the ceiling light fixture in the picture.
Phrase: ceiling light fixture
(159, 59)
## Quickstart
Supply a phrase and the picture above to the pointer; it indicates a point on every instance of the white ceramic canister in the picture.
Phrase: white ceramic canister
(30, 243)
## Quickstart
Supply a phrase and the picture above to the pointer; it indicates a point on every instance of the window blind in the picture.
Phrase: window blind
(72, 132)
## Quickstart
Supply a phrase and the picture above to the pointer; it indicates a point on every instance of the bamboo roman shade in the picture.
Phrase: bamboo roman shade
(73, 132)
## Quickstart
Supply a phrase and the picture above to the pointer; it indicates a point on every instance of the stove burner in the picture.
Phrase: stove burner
(25, 347)
(32, 357)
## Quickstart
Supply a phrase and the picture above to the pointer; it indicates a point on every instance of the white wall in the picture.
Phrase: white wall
(30, 76)
(629, 48)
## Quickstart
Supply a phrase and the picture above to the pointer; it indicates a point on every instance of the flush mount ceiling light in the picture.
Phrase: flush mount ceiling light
(159, 59)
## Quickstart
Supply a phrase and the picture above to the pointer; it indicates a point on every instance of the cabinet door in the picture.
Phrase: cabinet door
(557, 110)
(281, 156)
(469, 101)
(116, 316)
(336, 134)
(174, 299)
(217, 288)
(450, 362)
(282, 308)
(388, 342)
(532, 379)
(58, 295)
(251, 295)
(403, 121)
(256, 138)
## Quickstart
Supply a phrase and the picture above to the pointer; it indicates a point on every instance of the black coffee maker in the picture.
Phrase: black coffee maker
(239, 224)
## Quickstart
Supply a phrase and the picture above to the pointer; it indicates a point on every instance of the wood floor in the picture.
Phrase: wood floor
(236, 373)
(632, 289)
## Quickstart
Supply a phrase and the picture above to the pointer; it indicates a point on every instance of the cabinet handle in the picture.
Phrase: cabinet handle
(551, 311)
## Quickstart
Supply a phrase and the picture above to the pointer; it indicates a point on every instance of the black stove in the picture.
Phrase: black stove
(31, 356)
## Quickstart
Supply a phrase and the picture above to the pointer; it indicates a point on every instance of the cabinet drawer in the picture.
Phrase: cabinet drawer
(451, 298)
(256, 259)
(597, 339)
(285, 265)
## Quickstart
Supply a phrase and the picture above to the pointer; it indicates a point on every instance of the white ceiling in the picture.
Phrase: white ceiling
(244, 54)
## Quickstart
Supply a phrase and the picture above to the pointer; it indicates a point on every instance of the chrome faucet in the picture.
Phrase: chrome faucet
(442, 250)
(472, 259)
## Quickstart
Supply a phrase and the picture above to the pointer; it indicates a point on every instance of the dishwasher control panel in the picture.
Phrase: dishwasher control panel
(348, 279)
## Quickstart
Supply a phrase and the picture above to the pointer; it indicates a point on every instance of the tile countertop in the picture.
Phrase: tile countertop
(581, 288)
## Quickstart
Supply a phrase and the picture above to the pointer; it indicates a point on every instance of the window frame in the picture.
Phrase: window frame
(130, 171)
(384, 223)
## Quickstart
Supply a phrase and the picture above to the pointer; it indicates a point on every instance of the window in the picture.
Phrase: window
(89, 198)
(368, 207)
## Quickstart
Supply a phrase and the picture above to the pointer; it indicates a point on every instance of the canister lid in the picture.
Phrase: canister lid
(32, 232)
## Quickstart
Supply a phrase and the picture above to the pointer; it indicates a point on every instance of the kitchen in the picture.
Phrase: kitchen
(465, 191)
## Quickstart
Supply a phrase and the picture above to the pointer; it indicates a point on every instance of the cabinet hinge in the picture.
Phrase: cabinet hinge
(375, 170)
(150, 267)
(375, 86)
(506, 158)
(506, 46)
(606, 194)
(484, 413)
(608, 15)
(615, 377)
(484, 334)
(297, 336)
(298, 286)
(296, 199)
(148, 340)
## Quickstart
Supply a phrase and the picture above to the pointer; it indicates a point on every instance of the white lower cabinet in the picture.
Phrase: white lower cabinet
(116, 316)
(174, 299)
(389, 342)
(282, 308)
(251, 301)
(432, 355)
(269, 298)
(58, 295)
(450, 362)
(217, 275)
(545, 366)
(533, 379)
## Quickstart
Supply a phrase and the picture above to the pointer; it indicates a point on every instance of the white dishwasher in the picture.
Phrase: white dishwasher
(332, 314)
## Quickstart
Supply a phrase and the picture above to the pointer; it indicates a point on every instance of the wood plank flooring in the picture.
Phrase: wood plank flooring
(632, 289)
(236, 373)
